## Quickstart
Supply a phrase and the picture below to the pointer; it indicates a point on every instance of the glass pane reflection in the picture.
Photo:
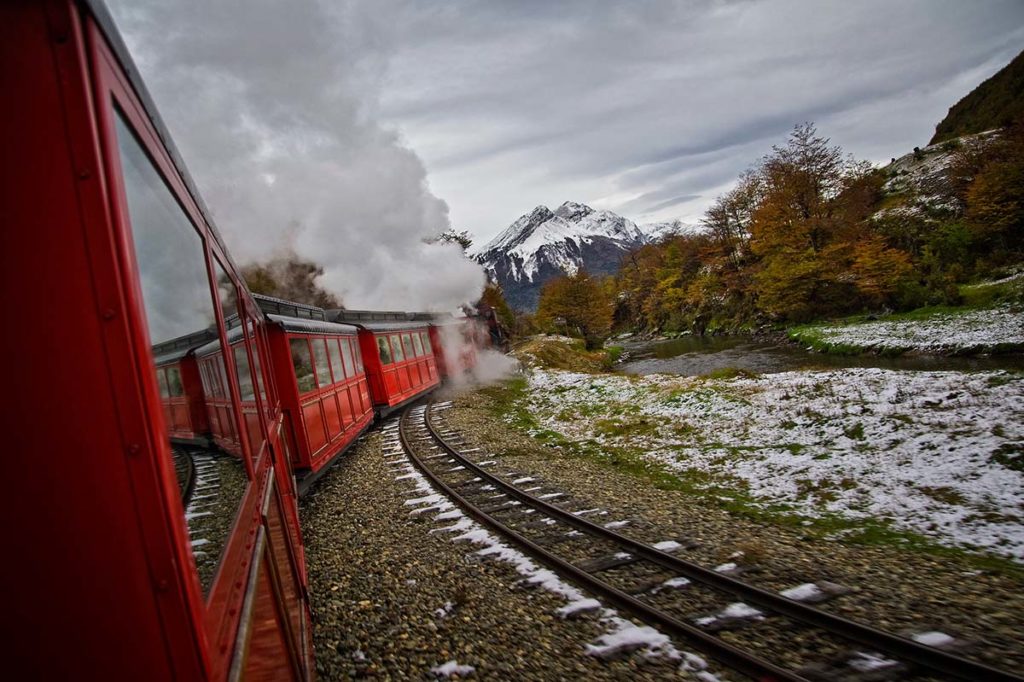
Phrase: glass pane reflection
(180, 317)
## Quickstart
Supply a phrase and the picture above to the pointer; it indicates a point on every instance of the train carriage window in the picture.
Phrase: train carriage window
(358, 356)
(396, 347)
(337, 368)
(384, 349)
(174, 382)
(162, 381)
(417, 345)
(170, 261)
(346, 350)
(323, 367)
(222, 377)
(407, 346)
(303, 364)
(245, 387)
(426, 343)
(257, 374)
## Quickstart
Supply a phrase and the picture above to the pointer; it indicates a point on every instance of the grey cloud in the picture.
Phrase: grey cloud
(650, 107)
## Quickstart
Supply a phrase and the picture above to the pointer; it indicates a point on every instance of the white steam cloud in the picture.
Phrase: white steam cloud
(469, 363)
(272, 105)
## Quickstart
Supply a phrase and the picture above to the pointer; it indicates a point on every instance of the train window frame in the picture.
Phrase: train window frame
(396, 347)
(319, 342)
(427, 346)
(256, 366)
(176, 388)
(301, 342)
(417, 344)
(246, 389)
(337, 364)
(407, 347)
(384, 350)
(218, 609)
(139, 177)
(346, 345)
(161, 380)
(357, 356)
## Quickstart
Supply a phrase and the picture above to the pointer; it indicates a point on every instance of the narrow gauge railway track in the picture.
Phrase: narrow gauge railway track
(465, 479)
(185, 470)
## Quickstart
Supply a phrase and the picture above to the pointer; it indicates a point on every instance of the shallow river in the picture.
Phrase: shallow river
(691, 356)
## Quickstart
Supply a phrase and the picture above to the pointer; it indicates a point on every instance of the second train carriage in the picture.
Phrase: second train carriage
(324, 391)
(181, 389)
(398, 355)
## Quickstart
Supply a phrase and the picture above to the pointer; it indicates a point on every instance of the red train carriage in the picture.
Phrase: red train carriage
(215, 385)
(455, 341)
(324, 391)
(181, 389)
(103, 225)
(398, 354)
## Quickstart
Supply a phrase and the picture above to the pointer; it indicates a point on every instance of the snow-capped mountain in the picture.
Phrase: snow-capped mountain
(671, 228)
(544, 244)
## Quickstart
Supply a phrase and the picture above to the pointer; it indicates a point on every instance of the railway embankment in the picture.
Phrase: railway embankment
(395, 596)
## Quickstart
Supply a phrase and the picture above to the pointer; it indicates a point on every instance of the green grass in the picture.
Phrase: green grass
(725, 373)
(507, 401)
(612, 355)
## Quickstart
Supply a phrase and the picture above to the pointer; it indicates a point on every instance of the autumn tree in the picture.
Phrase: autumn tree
(810, 232)
(291, 278)
(579, 304)
(494, 297)
(995, 197)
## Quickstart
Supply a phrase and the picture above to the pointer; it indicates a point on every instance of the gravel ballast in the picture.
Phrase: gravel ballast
(392, 600)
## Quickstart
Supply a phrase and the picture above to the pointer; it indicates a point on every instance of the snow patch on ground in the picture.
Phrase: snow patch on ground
(933, 638)
(802, 592)
(452, 668)
(972, 330)
(931, 452)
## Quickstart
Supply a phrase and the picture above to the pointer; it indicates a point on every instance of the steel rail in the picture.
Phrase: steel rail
(725, 653)
(906, 649)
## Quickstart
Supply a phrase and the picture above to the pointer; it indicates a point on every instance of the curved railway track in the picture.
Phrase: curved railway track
(479, 493)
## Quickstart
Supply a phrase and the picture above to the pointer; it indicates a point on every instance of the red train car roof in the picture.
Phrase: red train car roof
(294, 324)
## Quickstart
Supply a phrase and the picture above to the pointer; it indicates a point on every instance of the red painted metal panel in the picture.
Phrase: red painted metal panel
(333, 415)
(112, 499)
(313, 419)
(109, 596)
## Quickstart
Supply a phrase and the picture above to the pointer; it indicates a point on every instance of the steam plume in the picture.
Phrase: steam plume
(273, 106)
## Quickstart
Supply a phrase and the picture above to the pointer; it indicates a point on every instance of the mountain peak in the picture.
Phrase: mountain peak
(572, 210)
(543, 244)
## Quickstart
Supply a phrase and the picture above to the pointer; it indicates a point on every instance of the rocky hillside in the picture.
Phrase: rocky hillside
(996, 103)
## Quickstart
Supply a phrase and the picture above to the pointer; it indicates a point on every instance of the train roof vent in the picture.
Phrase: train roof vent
(279, 306)
(361, 316)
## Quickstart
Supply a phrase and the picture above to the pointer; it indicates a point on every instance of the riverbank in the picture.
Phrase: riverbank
(990, 322)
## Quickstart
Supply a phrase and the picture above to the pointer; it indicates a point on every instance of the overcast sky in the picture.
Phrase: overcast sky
(349, 130)
(651, 109)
